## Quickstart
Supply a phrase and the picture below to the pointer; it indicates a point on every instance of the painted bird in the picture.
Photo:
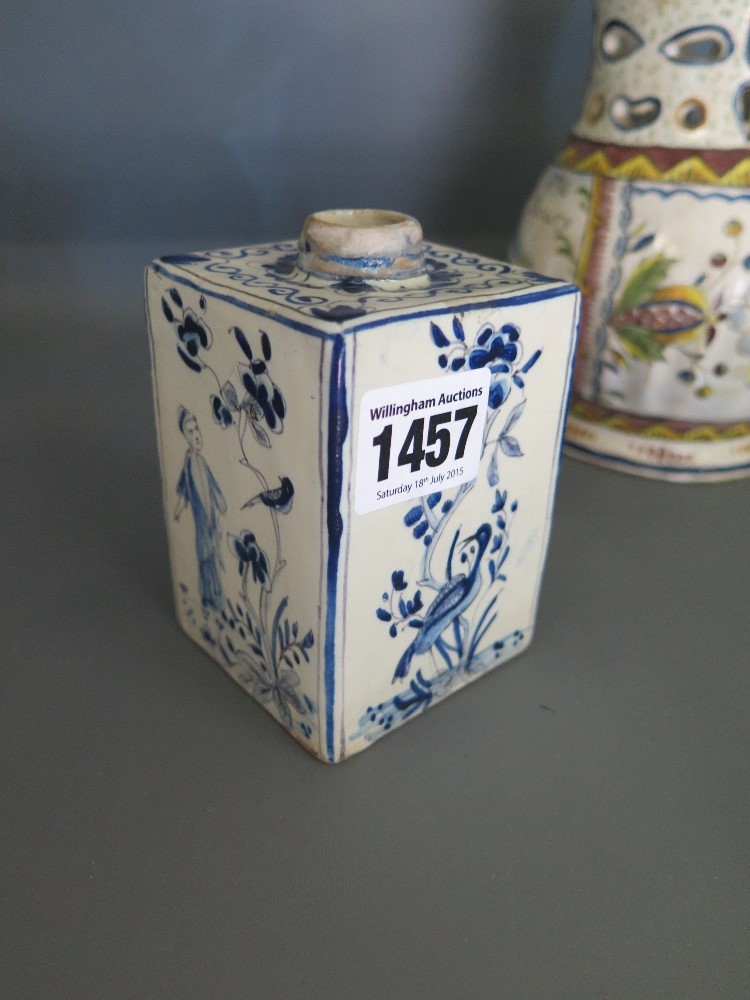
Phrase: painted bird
(452, 600)
(279, 499)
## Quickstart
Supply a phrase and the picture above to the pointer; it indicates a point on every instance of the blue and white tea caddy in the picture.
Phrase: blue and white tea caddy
(359, 441)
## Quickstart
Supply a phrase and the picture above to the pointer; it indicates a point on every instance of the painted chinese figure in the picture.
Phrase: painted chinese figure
(197, 488)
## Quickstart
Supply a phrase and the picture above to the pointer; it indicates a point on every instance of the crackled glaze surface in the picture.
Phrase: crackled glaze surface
(345, 624)
(648, 210)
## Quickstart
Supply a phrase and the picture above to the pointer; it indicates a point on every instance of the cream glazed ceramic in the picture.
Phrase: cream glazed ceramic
(359, 441)
(648, 210)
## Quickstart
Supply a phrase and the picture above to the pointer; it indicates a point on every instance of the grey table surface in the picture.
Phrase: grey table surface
(576, 824)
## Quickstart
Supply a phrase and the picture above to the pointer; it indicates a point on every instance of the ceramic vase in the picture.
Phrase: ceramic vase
(648, 209)
(359, 440)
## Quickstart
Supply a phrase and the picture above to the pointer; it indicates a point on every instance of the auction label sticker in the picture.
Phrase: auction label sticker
(419, 437)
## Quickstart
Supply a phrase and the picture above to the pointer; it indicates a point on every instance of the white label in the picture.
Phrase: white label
(419, 437)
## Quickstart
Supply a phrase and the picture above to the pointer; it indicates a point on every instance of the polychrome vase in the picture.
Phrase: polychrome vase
(359, 440)
(647, 208)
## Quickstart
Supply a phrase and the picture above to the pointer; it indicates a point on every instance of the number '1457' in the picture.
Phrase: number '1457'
(435, 450)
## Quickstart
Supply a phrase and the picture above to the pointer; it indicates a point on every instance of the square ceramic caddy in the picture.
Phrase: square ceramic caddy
(359, 442)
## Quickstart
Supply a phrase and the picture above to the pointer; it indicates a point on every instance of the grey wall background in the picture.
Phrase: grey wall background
(187, 121)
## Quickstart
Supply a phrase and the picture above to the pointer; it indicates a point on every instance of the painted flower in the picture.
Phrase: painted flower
(670, 315)
(496, 349)
(352, 286)
(251, 557)
(193, 334)
(220, 412)
(277, 685)
(499, 392)
(439, 274)
(264, 401)
(283, 266)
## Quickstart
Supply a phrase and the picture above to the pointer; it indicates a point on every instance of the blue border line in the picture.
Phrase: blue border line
(557, 468)
(338, 426)
(268, 313)
(463, 307)
(615, 459)
(377, 319)
(672, 190)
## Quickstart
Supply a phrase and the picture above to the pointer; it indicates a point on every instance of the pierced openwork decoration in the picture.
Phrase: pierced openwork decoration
(619, 40)
(691, 114)
(703, 45)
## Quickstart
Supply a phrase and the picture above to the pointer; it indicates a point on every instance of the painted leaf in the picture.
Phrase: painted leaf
(492, 477)
(167, 311)
(413, 515)
(499, 391)
(281, 707)
(458, 330)
(241, 339)
(229, 395)
(531, 362)
(265, 344)
(291, 680)
(514, 416)
(644, 281)
(190, 362)
(277, 401)
(438, 336)
(510, 446)
(260, 435)
(640, 344)
(500, 501)
(643, 242)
